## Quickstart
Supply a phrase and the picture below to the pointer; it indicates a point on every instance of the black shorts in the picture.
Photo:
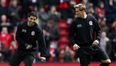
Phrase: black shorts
(20, 56)
(86, 54)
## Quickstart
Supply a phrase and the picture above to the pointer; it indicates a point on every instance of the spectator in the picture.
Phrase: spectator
(4, 20)
(110, 6)
(105, 43)
(112, 36)
(67, 54)
(2, 51)
(86, 2)
(6, 39)
(50, 32)
(63, 8)
(54, 14)
(101, 11)
(3, 8)
(53, 52)
(91, 10)
(103, 25)
(43, 16)
(14, 12)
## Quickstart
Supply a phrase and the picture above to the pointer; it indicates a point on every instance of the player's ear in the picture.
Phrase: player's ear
(37, 21)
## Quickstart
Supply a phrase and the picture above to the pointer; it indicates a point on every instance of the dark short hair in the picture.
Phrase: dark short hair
(32, 14)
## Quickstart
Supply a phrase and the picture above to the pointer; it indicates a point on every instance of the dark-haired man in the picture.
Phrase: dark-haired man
(30, 41)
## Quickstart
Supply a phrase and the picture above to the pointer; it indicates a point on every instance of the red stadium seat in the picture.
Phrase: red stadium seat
(63, 33)
(63, 24)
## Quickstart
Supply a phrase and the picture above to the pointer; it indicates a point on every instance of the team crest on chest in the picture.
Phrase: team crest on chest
(33, 33)
(90, 23)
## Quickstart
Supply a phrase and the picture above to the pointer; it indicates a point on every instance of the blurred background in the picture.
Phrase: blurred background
(55, 16)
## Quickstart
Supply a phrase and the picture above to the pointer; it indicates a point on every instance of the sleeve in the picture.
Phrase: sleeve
(97, 30)
(18, 36)
(41, 43)
(72, 33)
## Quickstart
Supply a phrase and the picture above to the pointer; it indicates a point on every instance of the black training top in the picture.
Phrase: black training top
(30, 35)
(84, 31)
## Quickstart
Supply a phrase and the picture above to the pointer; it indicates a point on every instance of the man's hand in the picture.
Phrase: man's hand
(76, 47)
(43, 59)
(95, 43)
(28, 46)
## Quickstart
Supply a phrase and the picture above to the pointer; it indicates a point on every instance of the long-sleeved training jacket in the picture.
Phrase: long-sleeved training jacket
(26, 35)
(84, 31)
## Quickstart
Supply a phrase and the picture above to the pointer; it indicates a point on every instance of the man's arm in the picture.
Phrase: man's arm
(18, 36)
(97, 31)
(73, 36)
(72, 33)
(41, 43)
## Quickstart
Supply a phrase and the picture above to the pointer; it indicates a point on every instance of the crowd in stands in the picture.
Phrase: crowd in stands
(55, 16)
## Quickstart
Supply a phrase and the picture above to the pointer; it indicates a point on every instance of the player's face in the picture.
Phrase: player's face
(32, 20)
(79, 13)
